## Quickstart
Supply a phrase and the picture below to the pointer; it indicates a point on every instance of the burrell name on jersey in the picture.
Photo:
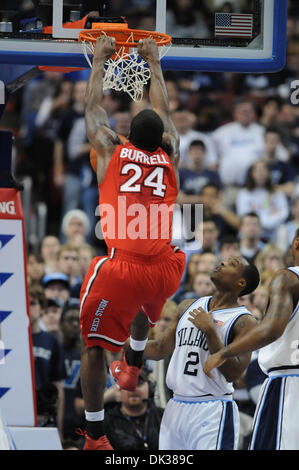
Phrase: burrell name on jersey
(185, 376)
(283, 353)
(137, 200)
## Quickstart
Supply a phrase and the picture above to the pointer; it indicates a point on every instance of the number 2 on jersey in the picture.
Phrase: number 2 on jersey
(154, 180)
(189, 367)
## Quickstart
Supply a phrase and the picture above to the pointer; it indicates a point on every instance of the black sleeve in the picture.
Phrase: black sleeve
(65, 127)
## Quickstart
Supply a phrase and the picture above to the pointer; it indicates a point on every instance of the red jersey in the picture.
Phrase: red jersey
(137, 198)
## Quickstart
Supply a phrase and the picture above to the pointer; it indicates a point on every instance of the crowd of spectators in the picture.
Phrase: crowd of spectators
(239, 158)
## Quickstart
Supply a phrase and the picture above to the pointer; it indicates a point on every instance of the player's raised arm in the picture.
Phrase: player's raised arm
(148, 50)
(271, 327)
(102, 138)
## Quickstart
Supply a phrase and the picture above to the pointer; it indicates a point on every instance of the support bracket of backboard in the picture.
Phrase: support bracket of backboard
(58, 30)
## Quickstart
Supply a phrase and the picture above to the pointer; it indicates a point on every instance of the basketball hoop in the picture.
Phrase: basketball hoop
(125, 70)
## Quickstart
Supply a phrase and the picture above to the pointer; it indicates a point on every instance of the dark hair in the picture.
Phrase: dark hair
(145, 376)
(60, 85)
(179, 109)
(239, 101)
(197, 143)
(188, 276)
(252, 278)
(37, 292)
(209, 219)
(228, 240)
(71, 304)
(207, 251)
(38, 257)
(277, 99)
(52, 303)
(250, 183)
(250, 214)
(147, 130)
(210, 185)
(273, 130)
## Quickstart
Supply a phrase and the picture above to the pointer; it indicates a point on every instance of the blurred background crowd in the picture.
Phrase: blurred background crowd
(239, 158)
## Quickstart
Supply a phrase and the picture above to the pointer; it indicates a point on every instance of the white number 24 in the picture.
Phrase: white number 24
(153, 180)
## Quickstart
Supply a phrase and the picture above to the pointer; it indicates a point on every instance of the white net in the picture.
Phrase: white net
(126, 70)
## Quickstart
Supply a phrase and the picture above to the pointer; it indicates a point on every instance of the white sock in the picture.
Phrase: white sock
(94, 415)
(138, 345)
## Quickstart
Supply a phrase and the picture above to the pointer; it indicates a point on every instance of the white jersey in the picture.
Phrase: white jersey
(185, 376)
(282, 354)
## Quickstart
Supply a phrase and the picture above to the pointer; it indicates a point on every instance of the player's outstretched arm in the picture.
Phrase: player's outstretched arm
(235, 366)
(101, 137)
(271, 327)
(148, 50)
(163, 347)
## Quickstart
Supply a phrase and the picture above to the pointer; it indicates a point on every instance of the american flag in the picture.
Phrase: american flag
(218, 322)
(233, 25)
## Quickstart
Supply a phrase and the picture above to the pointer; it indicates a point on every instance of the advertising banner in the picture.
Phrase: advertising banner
(17, 388)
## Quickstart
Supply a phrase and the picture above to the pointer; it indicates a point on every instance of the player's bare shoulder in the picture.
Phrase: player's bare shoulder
(243, 324)
(285, 280)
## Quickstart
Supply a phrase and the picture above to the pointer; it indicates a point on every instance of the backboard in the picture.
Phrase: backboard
(249, 38)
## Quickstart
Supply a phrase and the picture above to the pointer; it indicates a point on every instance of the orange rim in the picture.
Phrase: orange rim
(124, 36)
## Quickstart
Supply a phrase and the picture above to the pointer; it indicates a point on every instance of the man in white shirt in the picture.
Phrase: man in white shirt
(239, 144)
(250, 236)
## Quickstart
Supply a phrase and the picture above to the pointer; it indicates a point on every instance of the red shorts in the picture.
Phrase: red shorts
(118, 286)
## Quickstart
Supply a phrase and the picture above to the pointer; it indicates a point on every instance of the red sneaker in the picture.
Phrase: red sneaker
(97, 444)
(94, 444)
(125, 375)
